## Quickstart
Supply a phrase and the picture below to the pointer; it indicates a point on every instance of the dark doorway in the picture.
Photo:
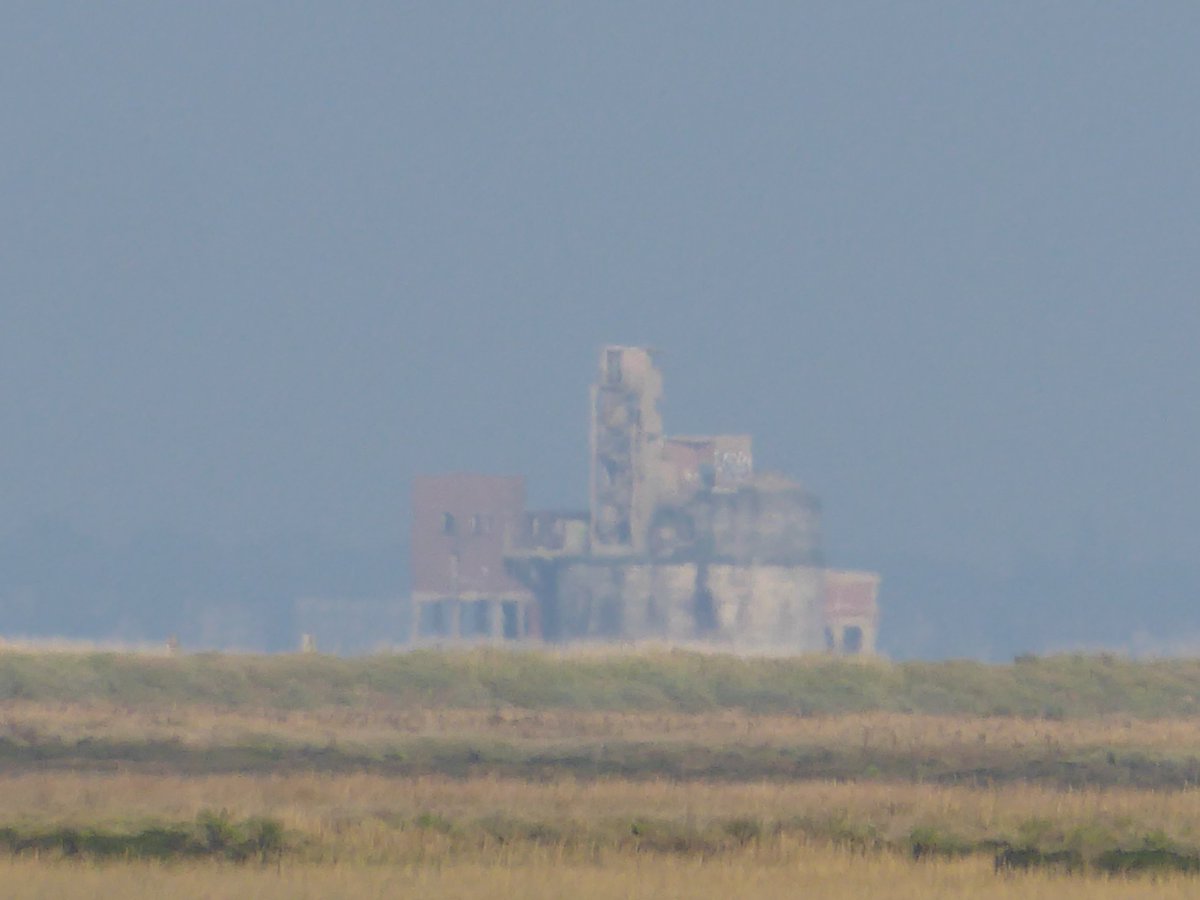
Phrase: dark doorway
(852, 639)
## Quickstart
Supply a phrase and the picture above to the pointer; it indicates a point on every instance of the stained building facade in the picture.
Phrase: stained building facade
(683, 542)
(461, 585)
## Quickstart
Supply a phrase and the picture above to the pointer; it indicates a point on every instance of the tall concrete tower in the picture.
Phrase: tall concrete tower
(626, 450)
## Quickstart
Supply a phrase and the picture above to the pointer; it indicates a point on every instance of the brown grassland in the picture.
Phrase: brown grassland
(127, 791)
(807, 872)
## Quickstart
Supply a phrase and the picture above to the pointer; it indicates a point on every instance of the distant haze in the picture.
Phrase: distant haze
(262, 263)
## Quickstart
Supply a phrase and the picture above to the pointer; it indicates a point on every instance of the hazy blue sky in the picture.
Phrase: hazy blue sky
(262, 263)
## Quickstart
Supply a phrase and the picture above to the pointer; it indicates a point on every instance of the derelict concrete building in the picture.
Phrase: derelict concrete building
(682, 542)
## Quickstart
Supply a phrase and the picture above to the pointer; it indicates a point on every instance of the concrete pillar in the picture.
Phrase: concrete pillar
(496, 612)
(455, 629)
(839, 636)
(868, 640)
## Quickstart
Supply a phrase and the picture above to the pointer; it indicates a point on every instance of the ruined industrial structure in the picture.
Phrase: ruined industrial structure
(683, 542)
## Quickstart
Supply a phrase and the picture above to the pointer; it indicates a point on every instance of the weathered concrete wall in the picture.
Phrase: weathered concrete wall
(768, 607)
(626, 600)
(770, 520)
(746, 606)
(660, 601)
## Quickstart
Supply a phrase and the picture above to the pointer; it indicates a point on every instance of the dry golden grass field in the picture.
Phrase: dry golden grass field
(807, 872)
(133, 792)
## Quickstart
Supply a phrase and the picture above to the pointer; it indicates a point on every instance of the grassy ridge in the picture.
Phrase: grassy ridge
(1060, 687)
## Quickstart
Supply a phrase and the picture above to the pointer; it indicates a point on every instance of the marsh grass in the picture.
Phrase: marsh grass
(538, 744)
(1062, 687)
(541, 774)
(372, 819)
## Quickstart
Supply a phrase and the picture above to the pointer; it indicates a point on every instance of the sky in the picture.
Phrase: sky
(261, 264)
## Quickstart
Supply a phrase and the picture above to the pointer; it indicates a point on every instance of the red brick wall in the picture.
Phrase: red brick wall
(482, 509)
(850, 594)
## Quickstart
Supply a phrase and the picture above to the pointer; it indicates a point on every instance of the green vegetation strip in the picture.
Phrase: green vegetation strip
(1059, 687)
(672, 760)
(1085, 849)
(211, 836)
(216, 836)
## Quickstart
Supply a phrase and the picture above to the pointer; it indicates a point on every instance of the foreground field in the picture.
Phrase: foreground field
(659, 774)
(810, 872)
(377, 819)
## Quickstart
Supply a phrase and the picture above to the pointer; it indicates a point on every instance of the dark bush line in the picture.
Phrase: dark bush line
(1160, 859)
(1011, 859)
(463, 757)
(1118, 861)
(1154, 854)
(213, 836)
